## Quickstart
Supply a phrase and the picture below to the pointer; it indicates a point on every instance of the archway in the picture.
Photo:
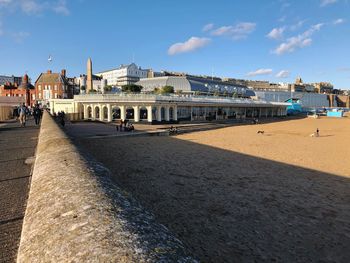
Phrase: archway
(89, 112)
(143, 113)
(105, 113)
(162, 110)
(130, 113)
(116, 113)
(154, 113)
(171, 113)
(97, 112)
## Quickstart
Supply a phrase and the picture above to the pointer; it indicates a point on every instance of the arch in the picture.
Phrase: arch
(171, 113)
(130, 113)
(162, 110)
(154, 113)
(116, 113)
(105, 113)
(143, 113)
(89, 112)
(97, 112)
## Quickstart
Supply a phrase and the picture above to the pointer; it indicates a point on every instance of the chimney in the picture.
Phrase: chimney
(63, 73)
(49, 71)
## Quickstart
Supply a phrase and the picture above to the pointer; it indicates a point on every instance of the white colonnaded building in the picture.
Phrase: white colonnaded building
(153, 108)
(124, 75)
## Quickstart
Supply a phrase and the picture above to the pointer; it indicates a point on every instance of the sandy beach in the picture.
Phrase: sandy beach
(232, 195)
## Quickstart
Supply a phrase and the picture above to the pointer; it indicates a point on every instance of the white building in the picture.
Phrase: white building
(124, 75)
(98, 83)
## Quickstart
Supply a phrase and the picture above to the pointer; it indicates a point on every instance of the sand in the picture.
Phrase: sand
(232, 195)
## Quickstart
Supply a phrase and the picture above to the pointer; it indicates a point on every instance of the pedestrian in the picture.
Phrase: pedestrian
(121, 125)
(317, 132)
(37, 114)
(22, 111)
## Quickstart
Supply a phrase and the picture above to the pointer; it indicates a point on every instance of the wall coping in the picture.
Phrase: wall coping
(75, 213)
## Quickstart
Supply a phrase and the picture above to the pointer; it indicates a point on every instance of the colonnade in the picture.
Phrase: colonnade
(109, 111)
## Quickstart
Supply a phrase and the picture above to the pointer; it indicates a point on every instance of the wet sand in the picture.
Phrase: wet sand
(232, 195)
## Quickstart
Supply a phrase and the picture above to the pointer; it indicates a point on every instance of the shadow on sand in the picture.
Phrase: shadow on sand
(230, 207)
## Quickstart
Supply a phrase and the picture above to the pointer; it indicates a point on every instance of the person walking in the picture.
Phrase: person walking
(22, 111)
(37, 114)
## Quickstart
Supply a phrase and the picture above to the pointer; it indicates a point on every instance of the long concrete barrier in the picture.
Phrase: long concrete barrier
(75, 213)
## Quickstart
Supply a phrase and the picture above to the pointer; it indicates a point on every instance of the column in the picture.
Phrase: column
(101, 112)
(191, 114)
(52, 111)
(259, 113)
(266, 112)
(149, 114)
(122, 112)
(136, 113)
(85, 111)
(167, 113)
(109, 109)
(175, 113)
(93, 112)
(159, 113)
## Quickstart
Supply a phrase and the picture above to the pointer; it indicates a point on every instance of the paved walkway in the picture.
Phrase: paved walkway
(16, 145)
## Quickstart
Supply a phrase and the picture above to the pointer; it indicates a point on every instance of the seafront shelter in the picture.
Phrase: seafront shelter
(164, 108)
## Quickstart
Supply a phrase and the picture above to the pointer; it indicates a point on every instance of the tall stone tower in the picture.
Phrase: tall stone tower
(89, 86)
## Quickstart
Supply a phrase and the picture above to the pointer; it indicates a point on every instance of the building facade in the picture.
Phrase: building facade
(24, 90)
(157, 108)
(124, 75)
(53, 86)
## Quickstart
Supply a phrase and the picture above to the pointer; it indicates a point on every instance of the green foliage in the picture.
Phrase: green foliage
(164, 90)
(83, 88)
(167, 89)
(108, 88)
(132, 88)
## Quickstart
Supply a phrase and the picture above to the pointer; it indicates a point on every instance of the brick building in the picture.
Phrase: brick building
(25, 90)
(53, 86)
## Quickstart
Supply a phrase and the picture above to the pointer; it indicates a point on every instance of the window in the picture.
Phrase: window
(39, 95)
(49, 87)
(45, 87)
(55, 95)
(55, 87)
(39, 87)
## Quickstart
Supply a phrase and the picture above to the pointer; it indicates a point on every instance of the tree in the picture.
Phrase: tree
(167, 89)
(132, 88)
(108, 88)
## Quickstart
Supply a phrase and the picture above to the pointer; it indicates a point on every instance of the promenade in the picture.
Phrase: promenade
(16, 145)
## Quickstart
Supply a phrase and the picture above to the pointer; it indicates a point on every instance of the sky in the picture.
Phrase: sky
(276, 40)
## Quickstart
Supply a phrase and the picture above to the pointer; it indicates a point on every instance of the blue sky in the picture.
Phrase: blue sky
(254, 39)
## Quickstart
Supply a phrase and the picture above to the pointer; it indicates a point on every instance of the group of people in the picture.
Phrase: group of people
(124, 125)
(22, 112)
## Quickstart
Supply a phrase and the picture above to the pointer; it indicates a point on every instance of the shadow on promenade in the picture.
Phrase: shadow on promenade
(230, 207)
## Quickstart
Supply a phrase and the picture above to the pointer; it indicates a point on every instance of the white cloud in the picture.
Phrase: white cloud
(276, 33)
(283, 74)
(61, 8)
(208, 27)
(190, 45)
(238, 31)
(31, 7)
(5, 2)
(261, 71)
(19, 36)
(327, 2)
(338, 21)
(297, 25)
(299, 41)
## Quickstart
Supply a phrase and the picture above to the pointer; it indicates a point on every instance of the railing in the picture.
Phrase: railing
(169, 98)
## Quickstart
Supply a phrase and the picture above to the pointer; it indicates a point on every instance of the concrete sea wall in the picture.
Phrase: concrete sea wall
(75, 213)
